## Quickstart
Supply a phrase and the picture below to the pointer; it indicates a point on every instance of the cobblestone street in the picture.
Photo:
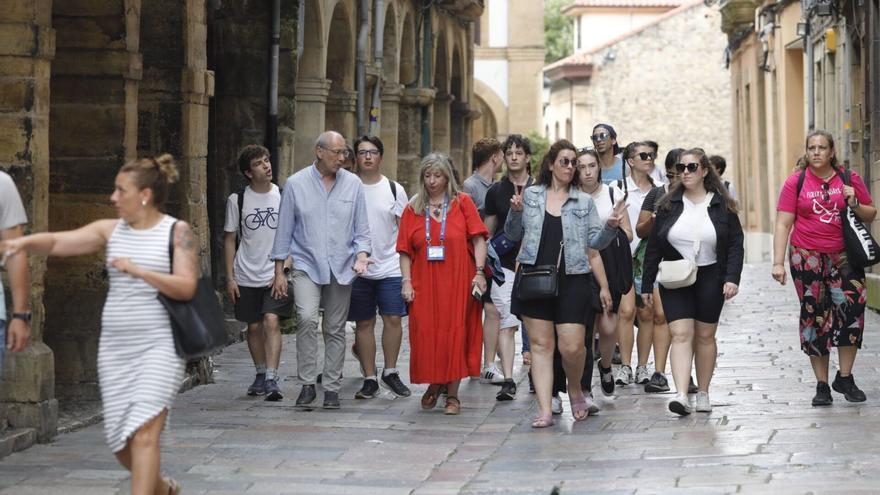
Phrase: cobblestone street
(763, 436)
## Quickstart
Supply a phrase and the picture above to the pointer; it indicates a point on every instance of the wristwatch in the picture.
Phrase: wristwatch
(26, 316)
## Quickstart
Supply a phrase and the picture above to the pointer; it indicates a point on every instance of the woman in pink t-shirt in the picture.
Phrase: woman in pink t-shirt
(831, 291)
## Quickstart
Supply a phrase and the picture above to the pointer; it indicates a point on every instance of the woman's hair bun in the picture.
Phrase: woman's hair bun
(168, 168)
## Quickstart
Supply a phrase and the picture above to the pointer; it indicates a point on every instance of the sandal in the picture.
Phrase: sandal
(173, 485)
(543, 420)
(429, 399)
(578, 407)
(453, 406)
(527, 358)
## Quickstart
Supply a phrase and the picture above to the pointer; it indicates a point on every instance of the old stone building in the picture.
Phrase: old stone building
(86, 85)
(508, 68)
(795, 67)
(663, 81)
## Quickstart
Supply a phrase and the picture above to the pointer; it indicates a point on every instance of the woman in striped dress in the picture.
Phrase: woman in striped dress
(138, 369)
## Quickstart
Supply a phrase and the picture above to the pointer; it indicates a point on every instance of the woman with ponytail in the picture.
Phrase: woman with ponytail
(138, 369)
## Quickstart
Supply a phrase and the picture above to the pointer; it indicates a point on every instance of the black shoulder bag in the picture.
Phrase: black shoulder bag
(197, 324)
(539, 281)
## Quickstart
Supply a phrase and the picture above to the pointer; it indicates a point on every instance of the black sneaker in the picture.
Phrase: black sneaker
(606, 376)
(615, 358)
(846, 385)
(393, 382)
(507, 392)
(331, 400)
(273, 392)
(823, 395)
(306, 396)
(531, 383)
(657, 383)
(692, 387)
(369, 390)
(259, 385)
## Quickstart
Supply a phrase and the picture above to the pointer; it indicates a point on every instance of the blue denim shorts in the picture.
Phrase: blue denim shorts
(368, 296)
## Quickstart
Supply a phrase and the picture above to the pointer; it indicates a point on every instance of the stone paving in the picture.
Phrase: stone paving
(762, 437)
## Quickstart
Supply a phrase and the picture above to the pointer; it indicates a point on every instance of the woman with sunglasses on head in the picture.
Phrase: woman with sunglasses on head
(697, 221)
(661, 338)
(559, 226)
(831, 290)
(617, 261)
(604, 139)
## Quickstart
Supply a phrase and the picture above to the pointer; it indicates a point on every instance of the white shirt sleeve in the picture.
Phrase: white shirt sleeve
(231, 224)
(401, 202)
(732, 191)
(11, 209)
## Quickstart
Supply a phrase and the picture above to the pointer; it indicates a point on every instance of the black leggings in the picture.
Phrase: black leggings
(701, 301)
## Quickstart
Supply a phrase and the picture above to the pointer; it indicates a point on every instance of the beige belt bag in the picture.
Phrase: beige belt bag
(683, 273)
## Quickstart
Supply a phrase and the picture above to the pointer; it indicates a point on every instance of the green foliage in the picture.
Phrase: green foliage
(540, 145)
(557, 30)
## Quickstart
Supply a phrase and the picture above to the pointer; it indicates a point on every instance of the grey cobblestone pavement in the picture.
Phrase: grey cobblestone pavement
(762, 437)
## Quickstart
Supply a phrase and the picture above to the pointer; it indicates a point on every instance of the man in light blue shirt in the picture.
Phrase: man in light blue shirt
(323, 226)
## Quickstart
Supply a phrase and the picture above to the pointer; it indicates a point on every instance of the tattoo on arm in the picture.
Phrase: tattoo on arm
(186, 240)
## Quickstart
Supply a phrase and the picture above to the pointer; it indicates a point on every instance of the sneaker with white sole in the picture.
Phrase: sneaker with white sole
(703, 404)
(679, 405)
(606, 375)
(624, 375)
(556, 405)
(492, 375)
(592, 407)
(642, 375)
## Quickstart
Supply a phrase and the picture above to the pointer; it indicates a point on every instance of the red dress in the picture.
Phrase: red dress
(445, 321)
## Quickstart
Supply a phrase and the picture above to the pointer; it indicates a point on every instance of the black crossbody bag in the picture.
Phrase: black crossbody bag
(197, 324)
(539, 281)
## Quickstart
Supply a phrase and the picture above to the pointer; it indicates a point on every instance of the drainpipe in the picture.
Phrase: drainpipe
(378, 55)
(272, 119)
(427, 50)
(811, 78)
(363, 38)
(847, 96)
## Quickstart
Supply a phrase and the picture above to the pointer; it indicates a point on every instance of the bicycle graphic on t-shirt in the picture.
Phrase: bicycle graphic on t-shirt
(826, 215)
(260, 218)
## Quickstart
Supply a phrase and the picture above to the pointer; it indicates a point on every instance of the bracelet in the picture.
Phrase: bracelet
(481, 274)
(406, 279)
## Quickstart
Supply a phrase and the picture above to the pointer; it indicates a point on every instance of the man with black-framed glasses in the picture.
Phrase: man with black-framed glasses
(323, 225)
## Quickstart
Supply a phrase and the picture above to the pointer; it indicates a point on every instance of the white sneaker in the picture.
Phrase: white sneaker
(492, 375)
(679, 405)
(703, 404)
(592, 407)
(556, 405)
(642, 375)
(624, 375)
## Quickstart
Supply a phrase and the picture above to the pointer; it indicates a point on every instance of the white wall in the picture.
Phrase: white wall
(498, 23)
(599, 28)
(493, 73)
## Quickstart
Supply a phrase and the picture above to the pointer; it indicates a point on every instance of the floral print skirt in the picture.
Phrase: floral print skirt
(832, 295)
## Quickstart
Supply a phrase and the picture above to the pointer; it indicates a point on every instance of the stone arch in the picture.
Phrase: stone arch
(489, 101)
(312, 86)
(440, 135)
(486, 125)
(390, 47)
(459, 110)
(408, 74)
(311, 63)
(340, 72)
(389, 112)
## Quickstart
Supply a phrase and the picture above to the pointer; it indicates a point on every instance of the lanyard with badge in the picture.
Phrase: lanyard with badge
(436, 253)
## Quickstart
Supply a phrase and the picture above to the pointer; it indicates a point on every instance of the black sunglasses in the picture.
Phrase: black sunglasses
(670, 175)
(602, 136)
(825, 196)
(690, 167)
(646, 156)
(565, 162)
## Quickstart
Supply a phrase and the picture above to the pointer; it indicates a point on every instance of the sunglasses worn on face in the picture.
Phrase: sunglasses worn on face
(670, 175)
(567, 162)
(646, 156)
(690, 167)
(602, 136)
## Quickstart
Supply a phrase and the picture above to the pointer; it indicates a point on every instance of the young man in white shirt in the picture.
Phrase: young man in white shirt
(379, 289)
(13, 337)
(251, 222)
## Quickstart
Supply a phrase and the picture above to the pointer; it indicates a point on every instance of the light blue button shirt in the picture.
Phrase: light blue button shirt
(323, 231)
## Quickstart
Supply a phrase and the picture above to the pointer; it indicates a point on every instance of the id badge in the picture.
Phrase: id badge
(436, 253)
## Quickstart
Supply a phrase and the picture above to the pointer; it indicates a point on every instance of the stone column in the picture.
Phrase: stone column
(342, 113)
(311, 102)
(28, 409)
(388, 127)
(440, 124)
(409, 134)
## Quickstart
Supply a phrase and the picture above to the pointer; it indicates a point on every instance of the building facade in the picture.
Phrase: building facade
(662, 81)
(508, 65)
(86, 86)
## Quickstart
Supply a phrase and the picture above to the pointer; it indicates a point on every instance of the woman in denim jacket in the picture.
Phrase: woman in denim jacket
(550, 216)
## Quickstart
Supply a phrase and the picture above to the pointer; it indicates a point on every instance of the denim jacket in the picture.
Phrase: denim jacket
(580, 228)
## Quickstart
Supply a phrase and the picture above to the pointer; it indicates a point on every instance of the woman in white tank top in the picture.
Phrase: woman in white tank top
(138, 369)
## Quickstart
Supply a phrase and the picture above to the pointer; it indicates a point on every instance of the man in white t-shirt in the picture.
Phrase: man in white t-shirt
(379, 288)
(251, 221)
(12, 218)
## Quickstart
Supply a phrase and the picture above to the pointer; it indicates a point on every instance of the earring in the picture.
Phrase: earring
(144, 202)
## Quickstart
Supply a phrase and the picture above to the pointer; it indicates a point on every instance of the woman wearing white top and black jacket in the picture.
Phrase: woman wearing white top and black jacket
(697, 207)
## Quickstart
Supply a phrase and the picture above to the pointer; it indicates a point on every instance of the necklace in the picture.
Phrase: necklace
(436, 209)
(595, 189)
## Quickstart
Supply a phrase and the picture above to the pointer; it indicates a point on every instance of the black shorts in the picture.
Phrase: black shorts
(701, 301)
(257, 301)
(487, 296)
(618, 263)
(574, 303)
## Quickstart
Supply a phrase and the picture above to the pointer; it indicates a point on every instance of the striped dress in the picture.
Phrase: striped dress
(138, 368)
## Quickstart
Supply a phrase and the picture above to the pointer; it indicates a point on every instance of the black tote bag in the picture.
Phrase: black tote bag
(197, 324)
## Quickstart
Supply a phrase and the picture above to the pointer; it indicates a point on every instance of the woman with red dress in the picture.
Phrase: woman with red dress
(442, 246)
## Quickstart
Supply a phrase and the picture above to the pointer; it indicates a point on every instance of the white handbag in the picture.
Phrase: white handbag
(683, 273)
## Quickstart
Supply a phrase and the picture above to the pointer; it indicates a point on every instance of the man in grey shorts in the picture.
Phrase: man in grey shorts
(251, 222)
(14, 335)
